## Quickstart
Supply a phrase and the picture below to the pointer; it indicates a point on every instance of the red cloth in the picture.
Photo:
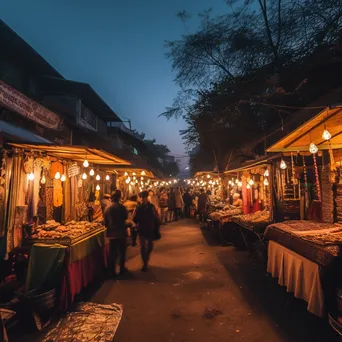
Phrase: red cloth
(80, 274)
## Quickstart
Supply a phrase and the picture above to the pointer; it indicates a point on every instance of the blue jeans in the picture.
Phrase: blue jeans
(146, 247)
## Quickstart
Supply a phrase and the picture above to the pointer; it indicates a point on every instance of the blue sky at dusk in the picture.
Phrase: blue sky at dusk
(117, 46)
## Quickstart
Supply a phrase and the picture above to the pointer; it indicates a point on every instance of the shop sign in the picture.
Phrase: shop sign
(14, 100)
(73, 170)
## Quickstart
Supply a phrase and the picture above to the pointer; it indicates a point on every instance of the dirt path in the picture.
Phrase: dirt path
(197, 291)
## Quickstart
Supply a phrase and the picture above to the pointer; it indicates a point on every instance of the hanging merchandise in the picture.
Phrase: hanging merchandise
(56, 169)
(306, 190)
(293, 176)
(317, 178)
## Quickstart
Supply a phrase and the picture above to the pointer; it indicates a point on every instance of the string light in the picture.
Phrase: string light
(237, 181)
(267, 173)
(326, 135)
(57, 175)
(92, 172)
(126, 174)
(97, 187)
(84, 176)
(208, 176)
(127, 181)
(248, 186)
(30, 176)
(63, 178)
(283, 165)
(266, 183)
(251, 182)
(239, 184)
(86, 163)
(98, 177)
(313, 148)
(107, 177)
(143, 173)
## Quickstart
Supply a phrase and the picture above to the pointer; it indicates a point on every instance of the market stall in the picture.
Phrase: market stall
(53, 198)
(305, 255)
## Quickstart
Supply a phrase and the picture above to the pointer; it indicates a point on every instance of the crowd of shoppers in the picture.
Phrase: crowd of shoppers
(141, 217)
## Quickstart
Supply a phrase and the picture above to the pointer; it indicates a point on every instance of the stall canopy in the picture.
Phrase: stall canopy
(253, 164)
(75, 153)
(299, 140)
(204, 173)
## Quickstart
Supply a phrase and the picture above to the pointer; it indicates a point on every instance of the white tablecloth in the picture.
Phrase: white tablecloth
(298, 274)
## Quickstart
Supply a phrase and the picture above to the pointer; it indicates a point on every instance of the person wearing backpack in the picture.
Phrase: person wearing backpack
(147, 220)
(163, 202)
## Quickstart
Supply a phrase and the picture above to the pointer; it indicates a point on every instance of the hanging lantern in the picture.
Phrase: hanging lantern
(107, 178)
(63, 178)
(313, 148)
(267, 173)
(132, 183)
(133, 173)
(266, 183)
(142, 178)
(98, 177)
(86, 163)
(143, 173)
(127, 181)
(30, 176)
(92, 172)
(43, 180)
(283, 165)
(237, 181)
(251, 182)
(326, 135)
(208, 176)
(248, 186)
(84, 176)
(126, 174)
(97, 187)
(57, 175)
(240, 184)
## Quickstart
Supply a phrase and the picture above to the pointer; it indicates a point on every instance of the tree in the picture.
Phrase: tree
(257, 52)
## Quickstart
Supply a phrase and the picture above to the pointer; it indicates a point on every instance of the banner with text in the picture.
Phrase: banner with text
(14, 100)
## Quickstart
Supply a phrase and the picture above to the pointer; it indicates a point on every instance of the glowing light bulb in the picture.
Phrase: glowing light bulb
(84, 176)
(239, 184)
(92, 172)
(208, 176)
(43, 180)
(248, 186)
(57, 175)
(30, 176)
(133, 173)
(127, 181)
(86, 163)
(126, 174)
(107, 177)
(267, 173)
(251, 182)
(132, 183)
(143, 173)
(98, 177)
(63, 178)
(326, 135)
(236, 181)
(313, 148)
(266, 183)
(283, 165)
(142, 178)
(97, 187)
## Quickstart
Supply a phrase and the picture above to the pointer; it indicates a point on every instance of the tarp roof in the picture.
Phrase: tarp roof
(203, 173)
(15, 133)
(76, 153)
(311, 131)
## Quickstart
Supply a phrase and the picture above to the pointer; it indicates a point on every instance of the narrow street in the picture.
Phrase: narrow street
(196, 290)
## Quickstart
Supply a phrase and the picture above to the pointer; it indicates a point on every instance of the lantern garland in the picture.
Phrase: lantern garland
(317, 178)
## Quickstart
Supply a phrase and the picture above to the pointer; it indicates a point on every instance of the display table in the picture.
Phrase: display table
(300, 276)
(80, 263)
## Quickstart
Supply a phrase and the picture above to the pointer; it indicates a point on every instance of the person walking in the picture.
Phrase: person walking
(163, 202)
(178, 204)
(202, 205)
(115, 217)
(146, 218)
(131, 205)
(171, 205)
(153, 198)
(187, 199)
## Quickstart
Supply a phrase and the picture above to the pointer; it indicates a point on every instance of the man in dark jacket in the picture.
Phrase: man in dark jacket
(115, 217)
(187, 199)
(146, 218)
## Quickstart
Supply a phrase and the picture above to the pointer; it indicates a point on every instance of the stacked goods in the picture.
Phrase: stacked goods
(338, 201)
(71, 230)
(327, 198)
(259, 218)
(225, 214)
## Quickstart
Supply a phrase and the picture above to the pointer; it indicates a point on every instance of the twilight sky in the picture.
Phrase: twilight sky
(117, 46)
